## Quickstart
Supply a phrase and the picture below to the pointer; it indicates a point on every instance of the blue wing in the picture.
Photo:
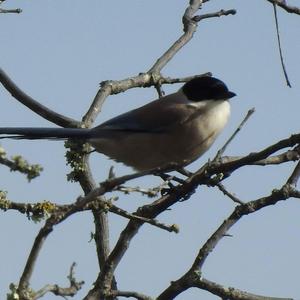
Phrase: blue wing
(155, 117)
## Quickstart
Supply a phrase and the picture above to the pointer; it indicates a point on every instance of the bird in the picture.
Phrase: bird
(175, 129)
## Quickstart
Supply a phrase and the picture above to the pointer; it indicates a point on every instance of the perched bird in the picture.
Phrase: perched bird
(177, 128)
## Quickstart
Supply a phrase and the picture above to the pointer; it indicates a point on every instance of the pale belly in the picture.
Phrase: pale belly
(181, 145)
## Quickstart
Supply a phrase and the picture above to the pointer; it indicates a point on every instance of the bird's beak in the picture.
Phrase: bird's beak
(230, 95)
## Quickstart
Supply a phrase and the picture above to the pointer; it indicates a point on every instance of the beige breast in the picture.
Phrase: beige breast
(182, 144)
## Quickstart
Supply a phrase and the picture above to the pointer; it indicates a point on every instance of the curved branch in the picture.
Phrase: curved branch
(34, 105)
(72, 290)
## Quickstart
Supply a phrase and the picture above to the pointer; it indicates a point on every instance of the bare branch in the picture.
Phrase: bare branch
(123, 213)
(295, 176)
(230, 293)
(85, 178)
(169, 80)
(219, 13)
(150, 192)
(34, 105)
(254, 157)
(6, 11)
(242, 210)
(59, 291)
(129, 294)
(192, 277)
(190, 27)
(290, 155)
(289, 9)
(150, 78)
(222, 150)
(228, 194)
(280, 48)
(31, 261)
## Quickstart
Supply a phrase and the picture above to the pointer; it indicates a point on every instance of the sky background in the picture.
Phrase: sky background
(59, 52)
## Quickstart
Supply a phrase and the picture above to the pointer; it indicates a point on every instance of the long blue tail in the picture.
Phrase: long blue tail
(32, 133)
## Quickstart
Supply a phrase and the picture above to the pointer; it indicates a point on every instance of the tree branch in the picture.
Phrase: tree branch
(228, 194)
(289, 9)
(280, 48)
(218, 14)
(189, 28)
(290, 155)
(192, 277)
(59, 291)
(34, 105)
(230, 293)
(129, 294)
(6, 11)
(254, 157)
(223, 149)
(295, 176)
(152, 77)
(18, 163)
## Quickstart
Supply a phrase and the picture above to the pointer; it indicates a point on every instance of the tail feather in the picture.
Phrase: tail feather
(32, 133)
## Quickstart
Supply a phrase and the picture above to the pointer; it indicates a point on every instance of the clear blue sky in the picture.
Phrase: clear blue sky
(59, 52)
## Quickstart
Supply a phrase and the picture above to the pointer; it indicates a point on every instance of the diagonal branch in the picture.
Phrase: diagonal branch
(288, 8)
(34, 105)
(193, 278)
(152, 77)
(190, 27)
(230, 293)
(287, 156)
(293, 179)
(222, 150)
(254, 157)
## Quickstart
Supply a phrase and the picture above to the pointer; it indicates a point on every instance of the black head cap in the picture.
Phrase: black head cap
(206, 88)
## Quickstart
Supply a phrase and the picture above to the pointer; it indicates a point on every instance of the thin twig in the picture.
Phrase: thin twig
(222, 150)
(7, 11)
(280, 48)
(295, 176)
(150, 192)
(72, 290)
(124, 213)
(228, 194)
(219, 13)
